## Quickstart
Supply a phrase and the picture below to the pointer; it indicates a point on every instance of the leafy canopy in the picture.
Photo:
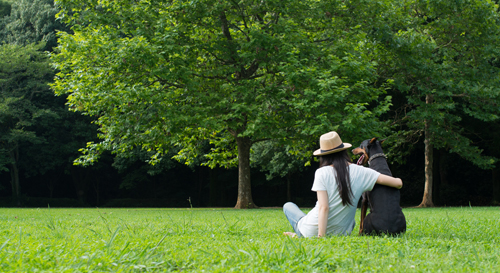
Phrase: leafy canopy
(163, 73)
(448, 52)
(24, 73)
(31, 21)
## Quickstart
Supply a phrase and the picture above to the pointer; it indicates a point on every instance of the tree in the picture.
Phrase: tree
(32, 21)
(137, 157)
(278, 161)
(24, 73)
(159, 74)
(48, 136)
(4, 9)
(63, 134)
(46, 144)
(442, 57)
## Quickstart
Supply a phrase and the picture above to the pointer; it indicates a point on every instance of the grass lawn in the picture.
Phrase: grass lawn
(224, 240)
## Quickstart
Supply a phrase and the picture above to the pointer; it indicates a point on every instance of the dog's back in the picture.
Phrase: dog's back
(386, 216)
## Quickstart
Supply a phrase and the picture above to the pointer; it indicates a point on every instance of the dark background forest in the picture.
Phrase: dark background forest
(47, 139)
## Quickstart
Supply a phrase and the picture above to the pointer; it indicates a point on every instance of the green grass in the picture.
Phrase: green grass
(226, 240)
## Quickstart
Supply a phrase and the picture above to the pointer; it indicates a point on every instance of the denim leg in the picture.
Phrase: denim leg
(293, 214)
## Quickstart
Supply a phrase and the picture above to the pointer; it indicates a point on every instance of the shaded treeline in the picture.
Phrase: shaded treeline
(40, 139)
(458, 183)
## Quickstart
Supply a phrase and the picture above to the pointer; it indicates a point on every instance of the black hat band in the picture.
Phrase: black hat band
(338, 147)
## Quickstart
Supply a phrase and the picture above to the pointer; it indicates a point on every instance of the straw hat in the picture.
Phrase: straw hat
(330, 143)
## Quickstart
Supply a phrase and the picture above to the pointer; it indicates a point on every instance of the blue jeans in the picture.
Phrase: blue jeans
(293, 214)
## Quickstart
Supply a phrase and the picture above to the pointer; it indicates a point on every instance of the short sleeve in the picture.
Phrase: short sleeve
(320, 177)
(370, 178)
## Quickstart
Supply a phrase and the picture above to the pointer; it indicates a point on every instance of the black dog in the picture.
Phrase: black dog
(386, 216)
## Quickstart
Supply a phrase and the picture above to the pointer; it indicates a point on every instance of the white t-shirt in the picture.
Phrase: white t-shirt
(340, 217)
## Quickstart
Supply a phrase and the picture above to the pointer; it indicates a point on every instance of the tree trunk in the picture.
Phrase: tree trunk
(443, 173)
(427, 199)
(52, 181)
(14, 175)
(436, 178)
(288, 188)
(50, 185)
(200, 194)
(244, 183)
(496, 185)
(96, 185)
(79, 176)
(214, 189)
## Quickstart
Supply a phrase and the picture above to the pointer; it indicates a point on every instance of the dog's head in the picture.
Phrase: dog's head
(367, 148)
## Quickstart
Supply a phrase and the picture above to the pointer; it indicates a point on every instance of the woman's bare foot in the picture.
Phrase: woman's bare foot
(291, 234)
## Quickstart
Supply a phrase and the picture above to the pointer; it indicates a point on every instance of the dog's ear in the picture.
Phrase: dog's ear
(382, 141)
(373, 140)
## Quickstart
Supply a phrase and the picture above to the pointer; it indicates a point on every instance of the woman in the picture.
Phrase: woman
(338, 184)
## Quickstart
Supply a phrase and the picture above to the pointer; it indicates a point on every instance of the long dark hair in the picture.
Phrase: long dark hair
(340, 162)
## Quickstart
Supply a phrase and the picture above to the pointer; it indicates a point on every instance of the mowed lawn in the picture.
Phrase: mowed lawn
(226, 240)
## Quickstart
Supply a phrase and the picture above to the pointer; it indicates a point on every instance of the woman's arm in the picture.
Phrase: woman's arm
(323, 209)
(390, 181)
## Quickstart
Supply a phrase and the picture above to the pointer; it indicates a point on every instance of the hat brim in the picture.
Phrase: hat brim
(319, 153)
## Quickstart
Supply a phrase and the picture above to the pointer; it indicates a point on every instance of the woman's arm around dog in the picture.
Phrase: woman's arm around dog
(390, 181)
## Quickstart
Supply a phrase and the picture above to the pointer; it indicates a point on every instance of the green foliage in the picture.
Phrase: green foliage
(37, 133)
(221, 240)
(63, 133)
(32, 21)
(5, 8)
(123, 162)
(133, 163)
(24, 73)
(448, 52)
(4, 159)
(158, 74)
(277, 160)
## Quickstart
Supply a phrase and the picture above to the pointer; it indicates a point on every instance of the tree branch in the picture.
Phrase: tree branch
(210, 77)
(460, 95)
(220, 60)
(227, 34)
(260, 140)
(225, 26)
(167, 83)
(235, 26)
(246, 73)
(324, 40)
(242, 13)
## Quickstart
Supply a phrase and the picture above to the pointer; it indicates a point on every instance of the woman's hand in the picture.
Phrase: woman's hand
(390, 181)
(290, 234)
